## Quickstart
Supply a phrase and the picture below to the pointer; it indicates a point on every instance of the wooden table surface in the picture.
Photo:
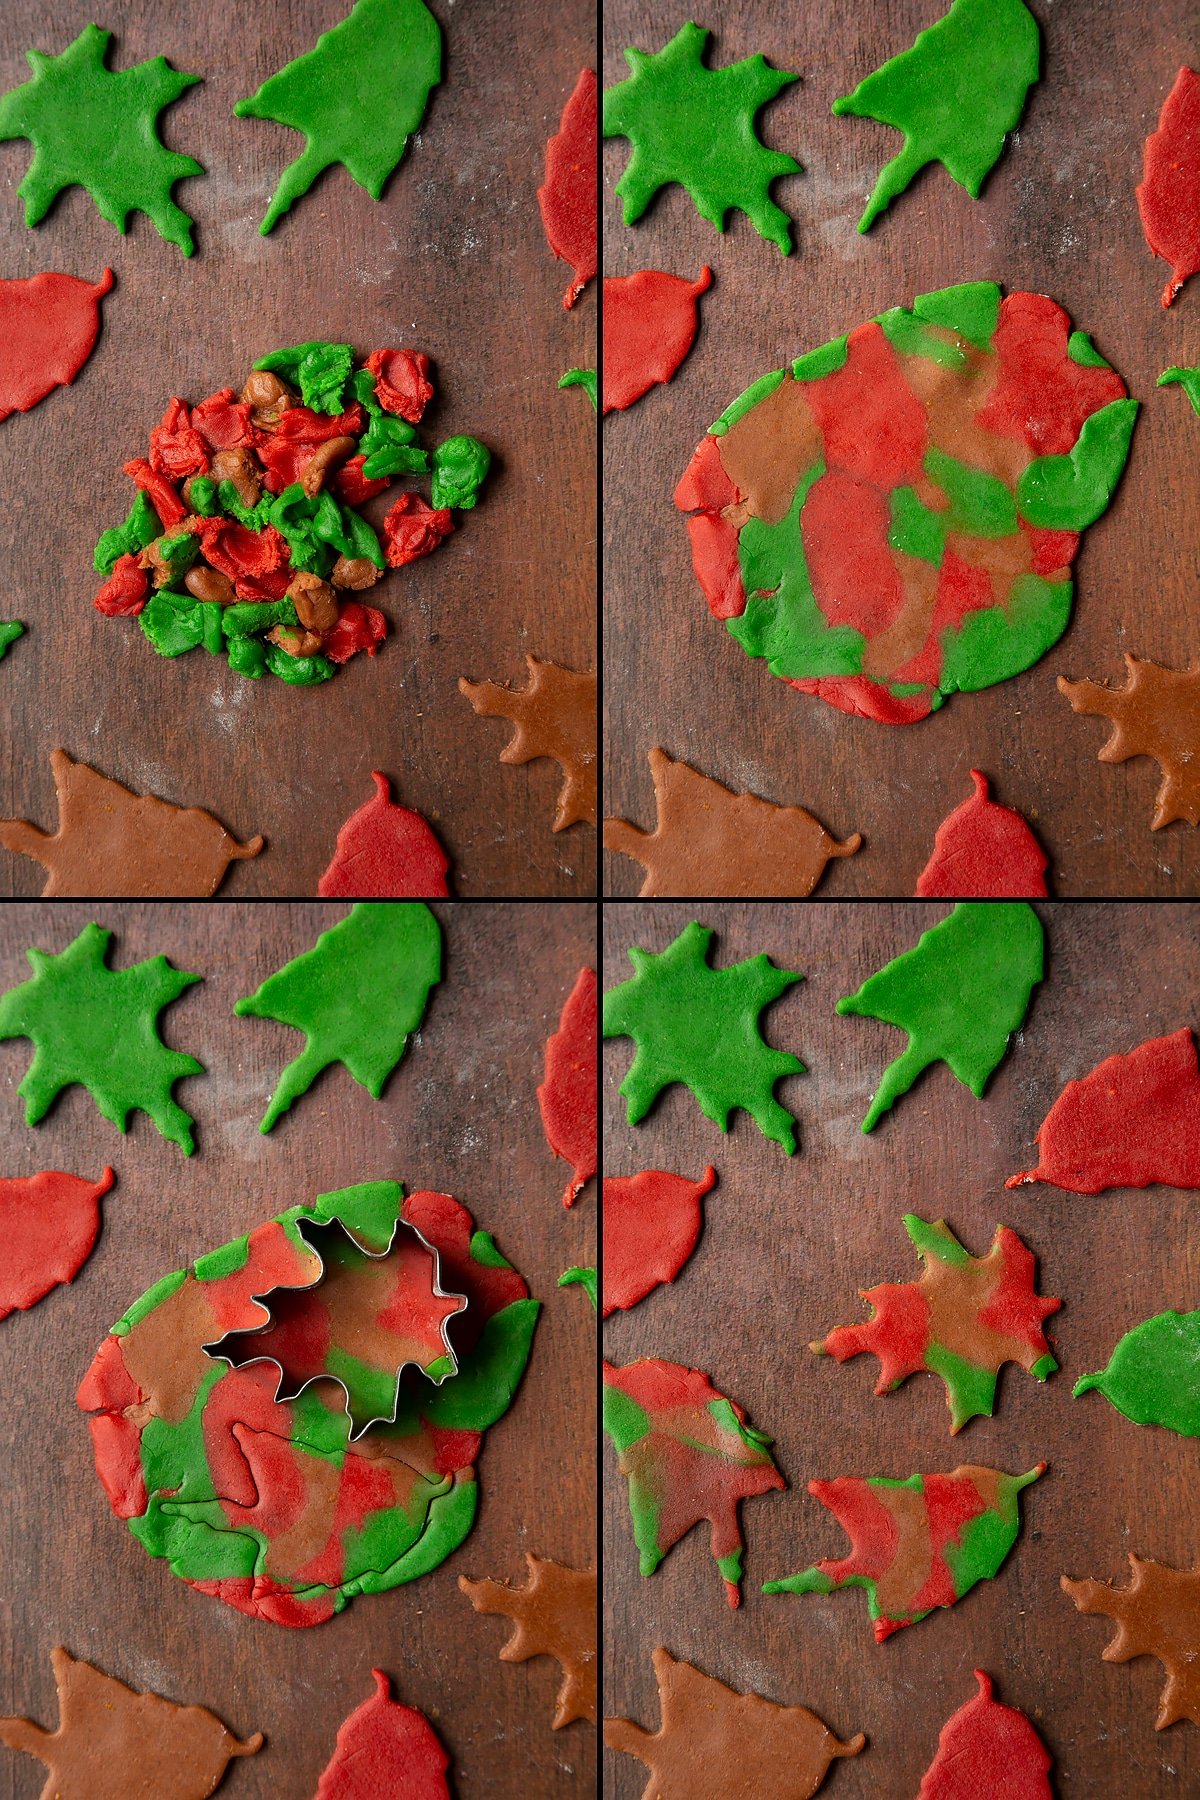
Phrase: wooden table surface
(1058, 216)
(460, 1115)
(452, 261)
(788, 1242)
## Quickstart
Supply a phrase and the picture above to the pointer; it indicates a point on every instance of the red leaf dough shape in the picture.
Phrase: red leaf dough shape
(1132, 1121)
(650, 321)
(651, 1223)
(568, 197)
(984, 851)
(569, 1096)
(49, 1224)
(1168, 196)
(386, 852)
(49, 325)
(988, 1749)
(385, 1748)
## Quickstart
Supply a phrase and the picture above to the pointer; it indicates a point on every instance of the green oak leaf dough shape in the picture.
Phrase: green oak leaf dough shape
(10, 631)
(695, 125)
(959, 993)
(1153, 1375)
(358, 95)
(98, 1027)
(955, 94)
(1187, 379)
(699, 1025)
(356, 995)
(96, 128)
(1069, 493)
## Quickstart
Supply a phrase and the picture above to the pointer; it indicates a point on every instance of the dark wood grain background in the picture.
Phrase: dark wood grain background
(1057, 215)
(452, 261)
(459, 1114)
(788, 1242)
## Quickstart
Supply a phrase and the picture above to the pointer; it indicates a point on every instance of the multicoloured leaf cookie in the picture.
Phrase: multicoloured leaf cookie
(1156, 713)
(963, 1320)
(988, 1750)
(385, 1748)
(569, 1096)
(651, 1224)
(916, 1544)
(49, 1224)
(1152, 1374)
(960, 993)
(699, 1025)
(984, 851)
(1158, 1614)
(688, 1454)
(554, 1614)
(1133, 1120)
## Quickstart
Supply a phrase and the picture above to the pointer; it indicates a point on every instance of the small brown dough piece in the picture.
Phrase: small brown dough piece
(293, 642)
(554, 1615)
(153, 560)
(324, 459)
(315, 601)
(717, 1744)
(554, 716)
(1156, 713)
(113, 1743)
(710, 840)
(269, 398)
(239, 467)
(356, 572)
(209, 584)
(1158, 1614)
(111, 842)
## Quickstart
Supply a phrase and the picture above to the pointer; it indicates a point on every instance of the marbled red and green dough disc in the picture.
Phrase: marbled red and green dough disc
(266, 1504)
(893, 517)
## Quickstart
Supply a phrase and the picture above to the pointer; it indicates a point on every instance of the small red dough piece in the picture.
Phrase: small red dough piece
(412, 529)
(49, 325)
(386, 852)
(567, 198)
(177, 450)
(650, 321)
(236, 550)
(124, 593)
(49, 1224)
(569, 1095)
(651, 1223)
(271, 586)
(716, 565)
(704, 485)
(1133, 1121)
(987, 1751)
(351, 485)
(864, 698)
(1168, 195)
(223, 421)
(984, 851)
(384, 1748)
(358, 628)
(164, 499)
(402, 383)
(300, 425)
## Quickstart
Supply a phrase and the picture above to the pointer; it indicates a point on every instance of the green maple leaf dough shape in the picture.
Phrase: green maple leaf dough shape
(10, 631)
(356, 995)
(960, 993)
(357, 95)
(955, 94)
(98, 1027)
(699, 1025)
(96, 128)
(695, 125)
(1151, 1375)
(1187, 379)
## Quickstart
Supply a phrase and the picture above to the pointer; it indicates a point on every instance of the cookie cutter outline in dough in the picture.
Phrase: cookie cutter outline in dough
(260, 1300)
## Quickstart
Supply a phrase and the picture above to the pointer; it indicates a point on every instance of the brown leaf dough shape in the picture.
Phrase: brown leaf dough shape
(709, 840)
(1158, 1614)
(114, 1743)
(113, 843)
(1156, 713)
(554, 1615)
(554, 716)
(717, 1744)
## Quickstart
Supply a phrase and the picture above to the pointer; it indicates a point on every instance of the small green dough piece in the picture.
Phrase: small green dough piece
(1081, 350)
(586, 1278)
(395, 459)
(319, 369)
(202, 496)
(357, 95)
(140, 528)
(247, 657)
(1151, 1376)
(460, 466)
(980, 504)
(98, 1027)
(1069, 493)
(254, 518)
(584, 378)
(1188, 380)
(10, 631)
(97, 128)
(960, 993)
(695, 125)
(298, 671)
(357, 995)
(178, 553)
(972, 309)
(173, 623)
(955, 94)
(826, 359)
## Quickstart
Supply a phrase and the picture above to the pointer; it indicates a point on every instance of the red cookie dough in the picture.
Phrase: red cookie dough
(386, 852)
(49, 325)
(984, 851)
(49, 1224)
(569, 1096)
(1168, 196)
(650, 321)
(987, 1750)
(384, 1748)
(568, 196)
(651, 1225)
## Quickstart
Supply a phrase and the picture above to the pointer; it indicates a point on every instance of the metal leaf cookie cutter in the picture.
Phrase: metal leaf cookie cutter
(323, 1230)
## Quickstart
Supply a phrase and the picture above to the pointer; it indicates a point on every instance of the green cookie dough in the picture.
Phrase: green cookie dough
(955, 95)
(584, 378)
(695, 125)
(1151, 1376)
(139, 528)
(584, 1278)
(699, 1025)
(960, 993)
(98, 1026)
(10, 631)
(1069, 493)
(356, 995)
(1187, 379)
(460, 466)
(96, 128)
(357, 95)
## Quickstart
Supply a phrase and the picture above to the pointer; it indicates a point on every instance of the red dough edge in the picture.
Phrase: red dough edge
(50, 324)
(386, 852)
(650, 322)
(984, 851)
(569, 1095)
(988, 1749)
(49, 1224)
(1168, 195)
(651, 1225)
(568, 196)
(384, 1748)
